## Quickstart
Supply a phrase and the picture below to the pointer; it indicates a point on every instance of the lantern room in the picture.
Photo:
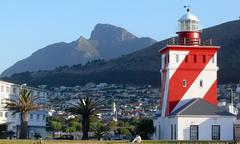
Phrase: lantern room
(189, 32)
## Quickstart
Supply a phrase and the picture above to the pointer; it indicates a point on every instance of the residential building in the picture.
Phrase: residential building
(11, 122)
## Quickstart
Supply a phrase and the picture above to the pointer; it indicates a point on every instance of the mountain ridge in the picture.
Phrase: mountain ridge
(82, 50)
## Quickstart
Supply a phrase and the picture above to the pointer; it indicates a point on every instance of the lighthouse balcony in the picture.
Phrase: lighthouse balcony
(189, 41)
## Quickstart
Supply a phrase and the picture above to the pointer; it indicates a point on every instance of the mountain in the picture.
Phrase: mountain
(142, 67)
(106, 42)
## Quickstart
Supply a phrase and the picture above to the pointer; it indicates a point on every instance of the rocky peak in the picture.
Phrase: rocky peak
(110, 33)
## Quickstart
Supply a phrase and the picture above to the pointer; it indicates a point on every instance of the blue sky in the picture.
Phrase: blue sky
(28, 25)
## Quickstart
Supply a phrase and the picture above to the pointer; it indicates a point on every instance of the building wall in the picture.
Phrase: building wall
(183, 125)
(163, 128)
(205, 127)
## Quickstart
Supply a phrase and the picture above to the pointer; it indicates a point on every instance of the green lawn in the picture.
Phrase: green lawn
(107, 142)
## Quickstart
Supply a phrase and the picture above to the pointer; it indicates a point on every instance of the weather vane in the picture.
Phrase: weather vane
(187, 7)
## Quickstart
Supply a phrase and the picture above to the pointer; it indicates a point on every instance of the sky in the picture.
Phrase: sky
(29, 25)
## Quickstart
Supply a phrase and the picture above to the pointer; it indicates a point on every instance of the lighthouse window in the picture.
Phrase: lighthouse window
(201, 83)
(195, 58)
(186, 59)
(184, 83)
(167, 58)
(204, 59)
(177, 58)
(213, 59)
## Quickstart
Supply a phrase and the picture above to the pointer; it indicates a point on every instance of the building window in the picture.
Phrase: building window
(171, 132)
(14, 90)
(44, 117)
(175, 131)
(215, 132)
(31, 116)
(6, 114)
(204, 59)
(177, 58)
(37, 116)
(7, 89)
(193, 132)
(195, 58)
(2, 89)
(186, 59)
(167, 58)
(159, 131)
(184, 83)
(201, 83)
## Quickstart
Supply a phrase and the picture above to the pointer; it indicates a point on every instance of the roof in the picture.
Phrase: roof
(199, 106)
(189, 16)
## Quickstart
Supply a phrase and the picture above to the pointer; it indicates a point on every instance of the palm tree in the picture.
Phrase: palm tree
(85, 107)
(23, 105)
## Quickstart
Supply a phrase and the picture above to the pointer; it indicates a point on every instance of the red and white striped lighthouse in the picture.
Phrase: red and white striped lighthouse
(189, 67)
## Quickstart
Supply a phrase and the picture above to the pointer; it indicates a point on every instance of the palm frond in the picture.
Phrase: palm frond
(25, 102)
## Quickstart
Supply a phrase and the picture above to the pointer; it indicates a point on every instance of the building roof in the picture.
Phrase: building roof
(199, 106)
(189, 16)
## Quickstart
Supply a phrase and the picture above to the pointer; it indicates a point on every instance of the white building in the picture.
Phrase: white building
(197, 120)
(9, 122)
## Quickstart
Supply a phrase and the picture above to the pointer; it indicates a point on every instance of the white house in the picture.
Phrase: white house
(197, 120)
(9, 122)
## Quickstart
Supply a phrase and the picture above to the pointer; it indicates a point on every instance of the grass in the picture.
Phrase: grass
(108, 142)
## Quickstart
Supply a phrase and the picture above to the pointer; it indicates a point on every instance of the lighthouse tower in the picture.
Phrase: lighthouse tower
(189, 88)
(189, 68)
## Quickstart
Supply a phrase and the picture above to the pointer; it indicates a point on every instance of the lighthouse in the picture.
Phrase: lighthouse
(189, 67)
(189, 87)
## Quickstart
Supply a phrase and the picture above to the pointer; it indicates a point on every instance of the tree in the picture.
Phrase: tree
(123, 131)
(55, 126)
(99, 130)
(23, 105)
(144, 128)
(76, 125)
(112, 125)
(85, 107)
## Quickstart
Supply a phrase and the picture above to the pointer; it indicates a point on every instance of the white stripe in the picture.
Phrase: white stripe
(171, 69)
(208, 75)
(173, 65)
(166, 88)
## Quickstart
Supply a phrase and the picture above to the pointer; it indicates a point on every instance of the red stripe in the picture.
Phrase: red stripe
(211, 95)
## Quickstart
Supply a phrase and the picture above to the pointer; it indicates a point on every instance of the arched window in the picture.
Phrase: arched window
(201, 83)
